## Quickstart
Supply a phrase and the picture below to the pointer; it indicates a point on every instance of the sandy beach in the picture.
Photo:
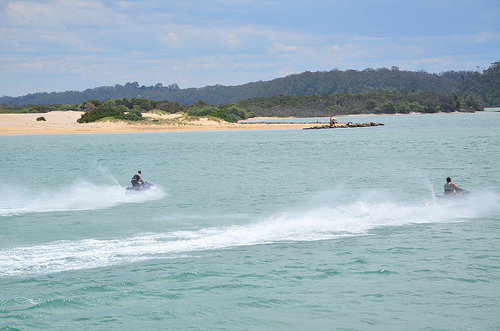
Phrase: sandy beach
(64, 122)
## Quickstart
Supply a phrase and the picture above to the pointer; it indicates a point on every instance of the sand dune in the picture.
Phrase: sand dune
(64, 122)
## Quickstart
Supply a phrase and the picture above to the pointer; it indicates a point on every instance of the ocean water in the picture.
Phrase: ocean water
(254, 230)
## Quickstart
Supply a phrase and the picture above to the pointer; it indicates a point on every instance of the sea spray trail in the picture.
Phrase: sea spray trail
(257, 229)
(81, 195)
(318, 224)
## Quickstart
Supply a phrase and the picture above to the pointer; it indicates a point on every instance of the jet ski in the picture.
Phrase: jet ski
(144, 187)
(459, 198)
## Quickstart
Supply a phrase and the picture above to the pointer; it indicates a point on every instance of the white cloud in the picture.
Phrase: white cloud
(280, 48)
(55, 14)
(196, 43)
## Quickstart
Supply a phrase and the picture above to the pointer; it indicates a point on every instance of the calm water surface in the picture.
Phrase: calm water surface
(254, 230)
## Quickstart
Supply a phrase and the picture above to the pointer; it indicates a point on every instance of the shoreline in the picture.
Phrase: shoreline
(64, 122)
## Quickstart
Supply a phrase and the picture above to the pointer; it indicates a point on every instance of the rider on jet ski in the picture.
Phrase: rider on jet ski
(136, 179)
(451, 189)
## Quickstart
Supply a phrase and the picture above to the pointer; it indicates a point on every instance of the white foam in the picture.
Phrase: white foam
(81, 195)
(319, 223)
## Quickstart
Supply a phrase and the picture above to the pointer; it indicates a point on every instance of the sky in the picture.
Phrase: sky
(62, 45)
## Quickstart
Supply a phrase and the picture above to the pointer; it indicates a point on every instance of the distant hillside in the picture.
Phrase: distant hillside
(485, 86)
(303, 84)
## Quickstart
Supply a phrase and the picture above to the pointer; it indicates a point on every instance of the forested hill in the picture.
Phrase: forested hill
(307, 83)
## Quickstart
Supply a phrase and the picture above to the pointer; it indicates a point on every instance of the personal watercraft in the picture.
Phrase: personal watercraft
(144, 187)
(458, 198)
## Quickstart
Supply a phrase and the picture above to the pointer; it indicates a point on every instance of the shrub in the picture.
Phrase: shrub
(99, 113)
(230, 114)
(96, 103)
(41, 118)
(88, 106)
(200, 112)
(133, 115)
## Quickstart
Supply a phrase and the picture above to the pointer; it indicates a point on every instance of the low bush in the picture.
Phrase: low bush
(99, 113)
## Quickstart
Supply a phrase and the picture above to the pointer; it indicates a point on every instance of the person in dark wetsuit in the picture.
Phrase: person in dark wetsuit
(450, 189)
(137, 180)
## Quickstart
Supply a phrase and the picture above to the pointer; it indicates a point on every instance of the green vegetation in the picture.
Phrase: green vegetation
(35, 109)
(131, 110)
(101, 112)
(41, 118)
(380, 91)
(274, 106)
(483, 86)
(366, 103)
(228, 113)
(121, 109)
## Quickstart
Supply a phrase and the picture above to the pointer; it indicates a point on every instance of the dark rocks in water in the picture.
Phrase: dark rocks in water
(320, 127)
(345, 125)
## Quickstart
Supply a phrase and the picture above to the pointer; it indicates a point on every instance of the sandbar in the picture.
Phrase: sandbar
(64, 122)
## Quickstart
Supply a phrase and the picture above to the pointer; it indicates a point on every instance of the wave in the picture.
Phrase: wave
(81, 195)
(320, 223)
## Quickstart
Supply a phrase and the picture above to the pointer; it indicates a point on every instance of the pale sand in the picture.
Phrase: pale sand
(64, 122)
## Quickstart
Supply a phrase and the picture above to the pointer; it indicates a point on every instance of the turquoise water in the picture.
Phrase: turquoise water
(254, 230)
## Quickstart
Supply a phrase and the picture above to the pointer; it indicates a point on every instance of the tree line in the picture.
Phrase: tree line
(275, 106)
(365, 103)
(483, 86)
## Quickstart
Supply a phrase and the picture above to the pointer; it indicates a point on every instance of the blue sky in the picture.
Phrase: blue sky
(60, 45)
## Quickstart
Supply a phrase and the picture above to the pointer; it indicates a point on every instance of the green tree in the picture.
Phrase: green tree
(370, 104)
(99, 113)
(133, 115)
(230, 113)
(388, 107)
